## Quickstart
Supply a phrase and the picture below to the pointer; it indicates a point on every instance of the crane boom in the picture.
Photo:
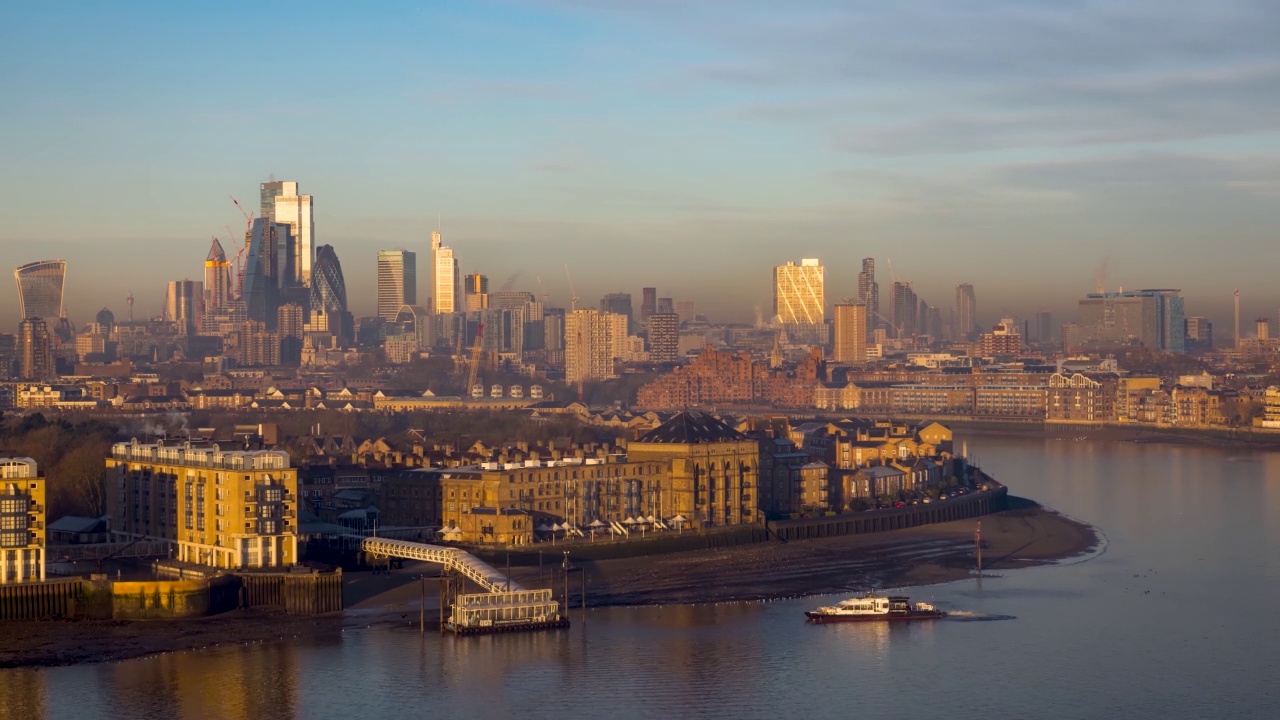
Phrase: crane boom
(573, 294)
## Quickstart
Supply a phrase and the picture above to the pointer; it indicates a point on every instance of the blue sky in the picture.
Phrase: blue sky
(691, 146)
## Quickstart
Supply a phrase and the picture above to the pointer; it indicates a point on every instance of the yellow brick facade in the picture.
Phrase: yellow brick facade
(22, 521)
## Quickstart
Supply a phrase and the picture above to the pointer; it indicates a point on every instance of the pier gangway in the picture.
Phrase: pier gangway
(460, 561)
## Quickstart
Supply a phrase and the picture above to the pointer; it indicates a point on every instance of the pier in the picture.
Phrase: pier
(506, 606)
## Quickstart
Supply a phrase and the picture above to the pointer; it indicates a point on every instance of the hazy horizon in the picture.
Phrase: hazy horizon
(1014, 146)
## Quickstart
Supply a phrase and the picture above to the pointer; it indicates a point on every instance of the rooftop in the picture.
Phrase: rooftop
(692, 427)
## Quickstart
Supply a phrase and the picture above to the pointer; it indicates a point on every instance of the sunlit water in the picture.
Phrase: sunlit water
(1177, 618)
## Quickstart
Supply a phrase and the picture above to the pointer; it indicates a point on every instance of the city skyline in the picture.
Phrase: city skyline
(1150, 152)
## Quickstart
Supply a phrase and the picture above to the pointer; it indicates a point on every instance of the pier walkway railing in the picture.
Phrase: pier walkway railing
(466, 564)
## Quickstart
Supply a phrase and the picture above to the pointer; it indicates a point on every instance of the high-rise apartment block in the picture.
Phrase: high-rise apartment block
(296, 211)
(22, 521)
(445, 285)
(40, 287)
(592, 340)
(1044, 326)
(966, 312)
(397, 282)
(850, 330)
(35, 352)
(223, 508)
(666, 305)
(664, 337)
(869, 293)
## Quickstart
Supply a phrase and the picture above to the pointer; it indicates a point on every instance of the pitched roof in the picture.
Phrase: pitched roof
(692, 427)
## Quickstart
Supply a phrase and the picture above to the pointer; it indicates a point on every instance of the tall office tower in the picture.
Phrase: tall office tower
(22, 530)
(182, 303)
(666, 305)
(869, 293)
(1153, 319)
(40, 286)
(329, 294)
(267, 194)
(290, 325)
(35, 354)
(619, 303)
(475, 292)
(648, 302)
(592, 339)
(296, 211)
(1199, 334)
(664, 337)
(445, 284)
(1262, 328)
(903, 310)
(397, 282)
(217, 279)
(1044, 326)
(966, 312)
(850, 322)
(798, 293)
(262, 278)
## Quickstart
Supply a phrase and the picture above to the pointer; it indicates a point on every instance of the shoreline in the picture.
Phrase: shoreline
(1026, 535)
(1184, 437)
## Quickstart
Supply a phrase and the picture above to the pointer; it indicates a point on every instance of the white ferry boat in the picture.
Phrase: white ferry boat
(871, 607)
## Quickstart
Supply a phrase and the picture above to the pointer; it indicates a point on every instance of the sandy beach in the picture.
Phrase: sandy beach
(1023, 536)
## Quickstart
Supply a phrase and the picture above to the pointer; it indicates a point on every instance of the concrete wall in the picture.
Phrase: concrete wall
(159, 599)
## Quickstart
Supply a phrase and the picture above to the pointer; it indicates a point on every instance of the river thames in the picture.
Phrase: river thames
(1174, 617)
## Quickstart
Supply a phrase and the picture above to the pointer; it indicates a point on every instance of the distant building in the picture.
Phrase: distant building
(850, 330)
(296, 211)
(264, 274)
(40, 288)
(592, 340)
(217, 279)
(648, 302)
(22, 521)
(445, 280)
(869, 294)
(397, 282)
(35, 352)
(1153, 319)
(687, 310)
(666, 305)
(1044, 327)
(475, 292)
(798, 294)
(1199, 335)
(966, 312)
(329, 295)
(904, 310)
(223, 508)
(619, 304)
(1003, 340)
(183, 305)
(664, 337)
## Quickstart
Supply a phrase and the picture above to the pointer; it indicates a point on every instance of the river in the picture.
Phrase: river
(1176, 617)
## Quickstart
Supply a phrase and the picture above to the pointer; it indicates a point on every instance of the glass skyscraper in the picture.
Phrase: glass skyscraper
(40, 287)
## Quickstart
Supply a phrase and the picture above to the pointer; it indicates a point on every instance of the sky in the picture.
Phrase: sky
(1031, 148)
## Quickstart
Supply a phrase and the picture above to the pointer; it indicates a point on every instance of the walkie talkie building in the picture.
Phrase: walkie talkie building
(40, 286)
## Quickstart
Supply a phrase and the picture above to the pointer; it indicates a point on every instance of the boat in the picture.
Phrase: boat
(872, 607)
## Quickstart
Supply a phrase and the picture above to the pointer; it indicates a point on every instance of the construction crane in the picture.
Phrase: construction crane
(475, 358)
(240, 263)
(573, 294)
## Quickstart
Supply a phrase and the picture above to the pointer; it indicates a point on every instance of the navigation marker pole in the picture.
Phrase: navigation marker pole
(977, 540)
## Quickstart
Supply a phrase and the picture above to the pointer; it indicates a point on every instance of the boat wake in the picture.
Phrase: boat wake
(967, 616)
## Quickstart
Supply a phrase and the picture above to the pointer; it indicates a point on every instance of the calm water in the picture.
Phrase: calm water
(1176, 619)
